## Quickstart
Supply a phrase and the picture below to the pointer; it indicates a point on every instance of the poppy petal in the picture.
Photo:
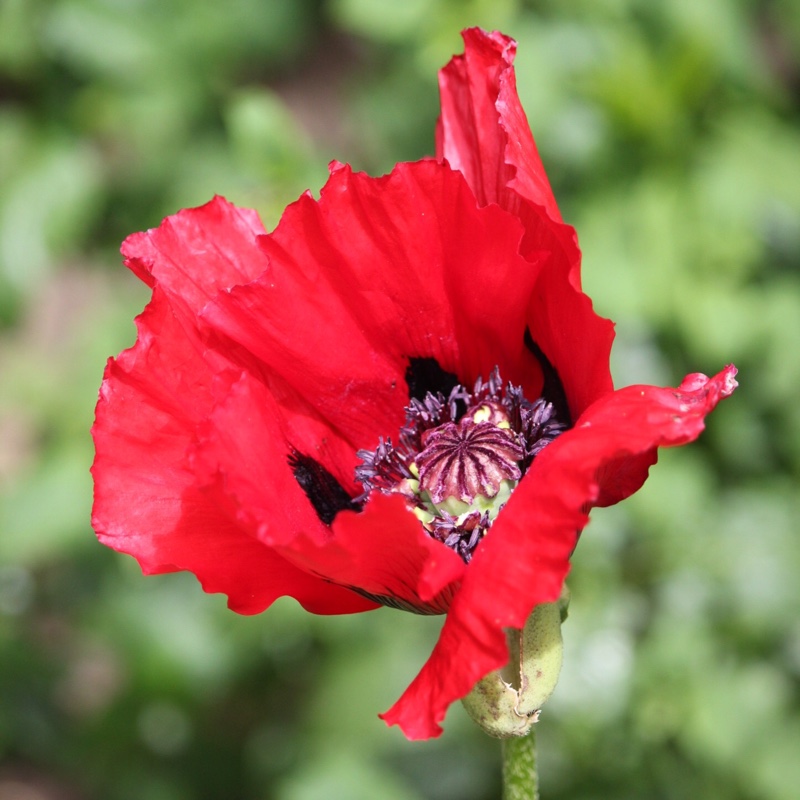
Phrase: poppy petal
(483, 131)
(384, 553)
(378, 271)
(147, 499)
(264, 495)
(525, 558)
(244, 450)
(197, 252)
(562, 320)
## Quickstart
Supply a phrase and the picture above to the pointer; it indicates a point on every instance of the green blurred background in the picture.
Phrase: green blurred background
(670, 132)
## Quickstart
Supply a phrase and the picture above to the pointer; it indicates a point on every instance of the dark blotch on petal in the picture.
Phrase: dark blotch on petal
(553, 389)
(325, 493)
(424, 375)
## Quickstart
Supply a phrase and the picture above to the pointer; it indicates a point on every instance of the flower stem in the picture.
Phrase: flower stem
(520, 779)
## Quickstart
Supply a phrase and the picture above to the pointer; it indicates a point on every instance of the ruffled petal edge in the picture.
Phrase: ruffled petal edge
(525, 558)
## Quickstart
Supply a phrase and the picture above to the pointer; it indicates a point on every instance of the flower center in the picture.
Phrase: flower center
(458, 459)
(466, 460)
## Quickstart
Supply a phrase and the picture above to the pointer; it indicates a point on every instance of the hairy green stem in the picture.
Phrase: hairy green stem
(520, 779)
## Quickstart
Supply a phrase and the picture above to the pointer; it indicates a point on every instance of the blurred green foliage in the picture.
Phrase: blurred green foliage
(670, 131)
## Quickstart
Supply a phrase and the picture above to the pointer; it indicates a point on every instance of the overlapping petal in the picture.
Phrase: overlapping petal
(484, 133)
(385, 553)
(197, 252)
(242, 452)
(525, 558)
(148, 501)
(378, 271)
(227, 437)
(382, 552)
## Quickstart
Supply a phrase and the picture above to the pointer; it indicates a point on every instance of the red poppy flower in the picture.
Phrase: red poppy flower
(399, 397)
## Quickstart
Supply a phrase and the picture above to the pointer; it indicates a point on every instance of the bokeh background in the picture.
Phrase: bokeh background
(670, 132)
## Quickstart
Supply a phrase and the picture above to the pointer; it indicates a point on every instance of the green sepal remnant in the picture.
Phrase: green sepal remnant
(506, 703)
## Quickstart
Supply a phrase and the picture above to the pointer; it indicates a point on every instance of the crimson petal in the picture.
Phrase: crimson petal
(385, 555)
(243, 453)
(147, 498)
(382, 552)
(377, 271)
(525, 558)
(483, 132)
(197, 252)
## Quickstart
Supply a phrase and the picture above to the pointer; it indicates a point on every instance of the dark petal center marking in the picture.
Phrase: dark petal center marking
(553, 389)
(326, 494)
(424, 376)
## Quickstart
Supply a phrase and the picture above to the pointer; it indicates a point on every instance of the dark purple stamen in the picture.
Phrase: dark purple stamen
(384, 468)
(464, 537)
(462, 446)
(424, 376)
